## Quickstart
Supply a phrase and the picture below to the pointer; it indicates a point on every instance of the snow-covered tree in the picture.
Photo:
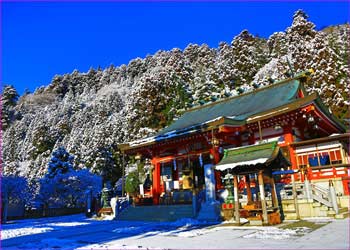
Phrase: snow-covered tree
(68, 189)
(16, 188)
(249, 55)
(60, 163)
(90, 113)
(301, 47)
(9, 100)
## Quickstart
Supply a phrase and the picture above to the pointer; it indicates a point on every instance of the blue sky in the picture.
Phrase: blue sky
(42, 39)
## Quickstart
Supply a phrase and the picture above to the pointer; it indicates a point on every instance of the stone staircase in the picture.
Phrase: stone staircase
(156, 213)
(343, 213)
(322, 210)
(289, 210)
(320, 204)
(311, 209)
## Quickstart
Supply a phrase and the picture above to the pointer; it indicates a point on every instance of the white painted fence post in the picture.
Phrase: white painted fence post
(114, 203)
(333, 197)
(295, 197)
(308, 190)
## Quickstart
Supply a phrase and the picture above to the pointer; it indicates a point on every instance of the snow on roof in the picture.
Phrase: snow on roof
(233, 165)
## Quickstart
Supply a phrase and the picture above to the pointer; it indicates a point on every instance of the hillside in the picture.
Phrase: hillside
(90, 113)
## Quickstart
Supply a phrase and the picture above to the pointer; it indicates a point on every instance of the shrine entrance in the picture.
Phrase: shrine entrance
(176, 179)
(250, 169)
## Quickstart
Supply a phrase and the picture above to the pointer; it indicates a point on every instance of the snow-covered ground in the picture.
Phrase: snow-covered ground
(78, 232)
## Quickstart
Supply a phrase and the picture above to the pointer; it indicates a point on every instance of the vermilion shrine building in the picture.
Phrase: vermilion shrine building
(275, 134)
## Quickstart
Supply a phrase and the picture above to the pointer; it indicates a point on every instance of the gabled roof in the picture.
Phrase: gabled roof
(237, 109)
(263, 103)
(249, 159)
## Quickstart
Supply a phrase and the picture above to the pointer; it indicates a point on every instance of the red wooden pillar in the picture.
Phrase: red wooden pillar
(156, 182)
(214, 151)
(288, 139)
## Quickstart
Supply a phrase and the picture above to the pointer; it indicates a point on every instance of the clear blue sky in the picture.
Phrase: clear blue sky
(41, 39)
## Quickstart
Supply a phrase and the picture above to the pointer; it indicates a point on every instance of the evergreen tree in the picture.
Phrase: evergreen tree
(61, 162)
(9, 100)
(16, 189)
(249, 55)
(104, 164)
(9, 96)
(89, 113)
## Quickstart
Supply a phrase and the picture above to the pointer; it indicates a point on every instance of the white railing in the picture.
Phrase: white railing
(321, 195)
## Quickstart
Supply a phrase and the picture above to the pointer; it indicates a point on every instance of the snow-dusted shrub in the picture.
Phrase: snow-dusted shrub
(68, 189)
(15, 188)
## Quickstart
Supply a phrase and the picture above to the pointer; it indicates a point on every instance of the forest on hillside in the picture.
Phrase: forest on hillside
(89, 114)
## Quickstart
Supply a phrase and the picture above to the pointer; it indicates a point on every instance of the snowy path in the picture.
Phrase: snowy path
(77, 232)
(332, 236)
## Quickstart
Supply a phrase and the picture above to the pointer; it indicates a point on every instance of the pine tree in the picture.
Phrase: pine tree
(9, 100)
(10, 96)
(248, 53)
(61, 162)
(89, 113)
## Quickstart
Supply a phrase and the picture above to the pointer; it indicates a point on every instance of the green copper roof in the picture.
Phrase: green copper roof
(239, 108)
(253, 158)
(248, 153)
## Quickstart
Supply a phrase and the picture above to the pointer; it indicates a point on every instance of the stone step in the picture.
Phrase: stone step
(324, 208)
(343, 209)
(255, 222)
(157, 213)
(316, 204)
(342, 215)
(290, 210)
(331, 213)
(288, 201)
(290, 216)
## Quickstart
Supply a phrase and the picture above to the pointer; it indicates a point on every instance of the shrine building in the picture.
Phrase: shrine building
(258, 155)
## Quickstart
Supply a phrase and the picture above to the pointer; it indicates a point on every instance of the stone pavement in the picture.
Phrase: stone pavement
(335, 235)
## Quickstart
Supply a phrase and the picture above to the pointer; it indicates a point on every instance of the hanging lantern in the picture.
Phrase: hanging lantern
(138, 156)
(215, 141)
(311, 119)
(277, 127)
